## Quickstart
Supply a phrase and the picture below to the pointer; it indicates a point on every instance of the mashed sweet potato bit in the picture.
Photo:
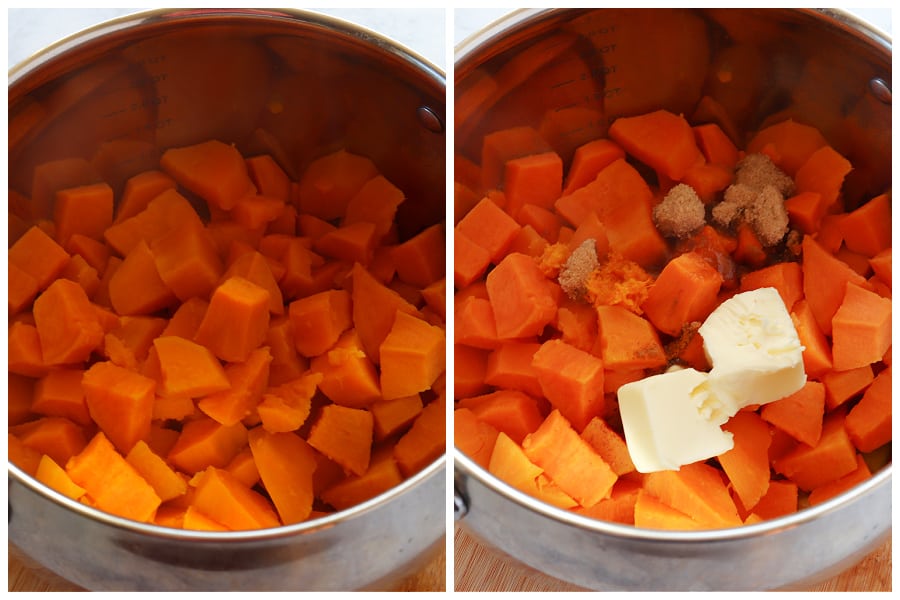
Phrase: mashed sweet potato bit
(619, 281)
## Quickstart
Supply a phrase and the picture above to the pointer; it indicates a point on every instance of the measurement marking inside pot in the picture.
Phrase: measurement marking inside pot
(600, 31)
(149, 80)
(578, 130)
(153, 59)
(113, 113)
(134, 84)
(154, 126)
(593, 98)
(136, 106)
(599, 72)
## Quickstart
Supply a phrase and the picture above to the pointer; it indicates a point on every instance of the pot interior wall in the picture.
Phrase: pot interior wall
(275, 83)
(570, 73)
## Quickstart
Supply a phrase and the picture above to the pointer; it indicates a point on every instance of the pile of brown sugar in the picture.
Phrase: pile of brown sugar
(757, 198)
(757, 171)
(680, 213)
(576, 271)
(615, 280)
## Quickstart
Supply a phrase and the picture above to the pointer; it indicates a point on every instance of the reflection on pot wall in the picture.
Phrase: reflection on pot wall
(570, 74)
(125, 98)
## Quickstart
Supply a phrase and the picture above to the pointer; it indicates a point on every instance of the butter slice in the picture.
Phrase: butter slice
(668, 422)
(675, 418)
(754, 350)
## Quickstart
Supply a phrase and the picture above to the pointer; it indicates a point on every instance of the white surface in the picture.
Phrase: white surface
(421, 30)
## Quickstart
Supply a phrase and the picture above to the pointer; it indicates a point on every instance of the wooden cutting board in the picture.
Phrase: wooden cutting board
(27, 576)
(483, 569)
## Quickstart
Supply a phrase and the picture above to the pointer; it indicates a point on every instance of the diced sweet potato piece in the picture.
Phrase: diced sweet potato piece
(569, 460)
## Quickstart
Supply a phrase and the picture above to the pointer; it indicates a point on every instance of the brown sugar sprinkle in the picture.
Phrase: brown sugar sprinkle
(576, 271)
(793, 241)
(768, 217)
(680, 213)
(762, 209)
(731, 208)
(757, 198)
(677, 345)
(619, 281)
(757, 171)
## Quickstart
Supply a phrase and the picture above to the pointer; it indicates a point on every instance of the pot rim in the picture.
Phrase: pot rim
(249, 535)
(515, 18)
(302, 16)
(469, 468)
(331, 24)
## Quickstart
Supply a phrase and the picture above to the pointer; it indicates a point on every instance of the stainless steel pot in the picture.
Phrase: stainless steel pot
(571, 72)
(292, 83)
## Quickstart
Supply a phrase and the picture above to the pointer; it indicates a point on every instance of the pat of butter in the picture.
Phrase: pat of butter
(675, 418)
(754, 350)
(666, 421)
